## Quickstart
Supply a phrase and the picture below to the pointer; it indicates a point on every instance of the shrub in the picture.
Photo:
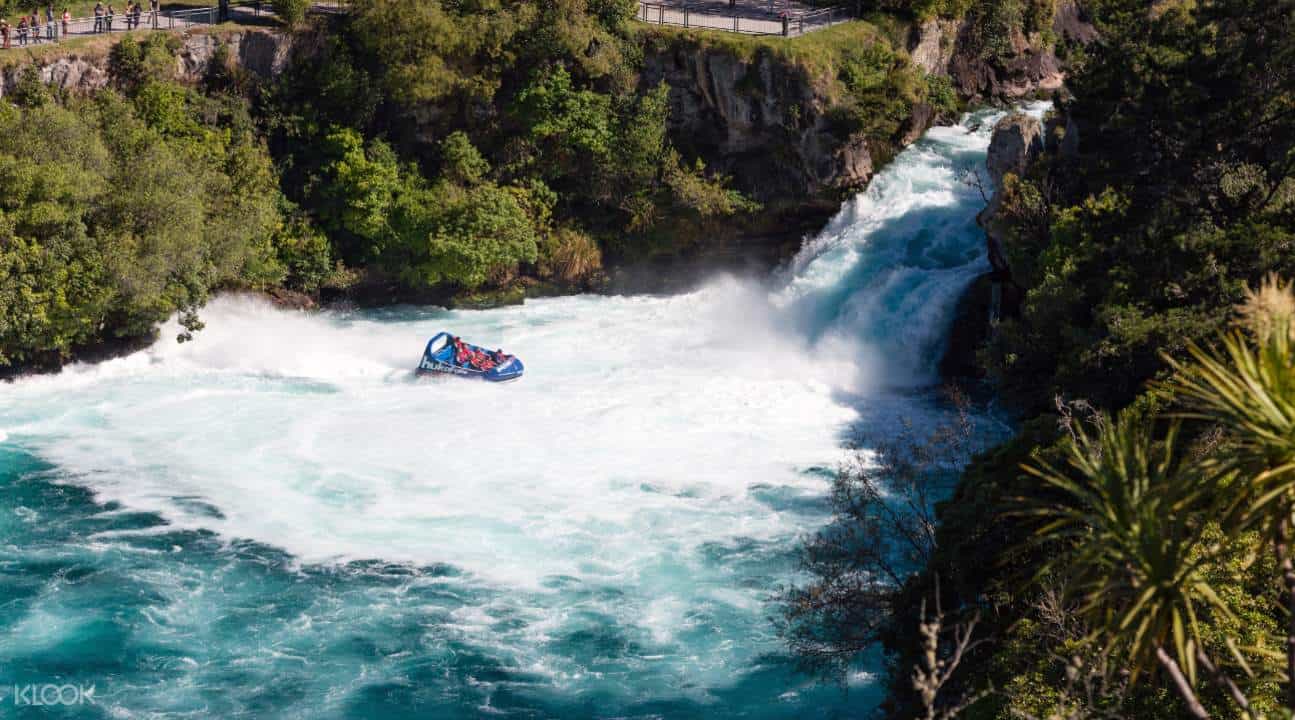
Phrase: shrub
(570, 256)
(291, 12)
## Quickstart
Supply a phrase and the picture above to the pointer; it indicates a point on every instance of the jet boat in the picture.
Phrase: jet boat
(448, 354)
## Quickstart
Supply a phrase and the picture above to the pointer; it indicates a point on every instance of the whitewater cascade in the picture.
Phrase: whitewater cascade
(278, 519)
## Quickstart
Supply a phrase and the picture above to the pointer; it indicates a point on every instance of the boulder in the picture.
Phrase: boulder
(1017, 141)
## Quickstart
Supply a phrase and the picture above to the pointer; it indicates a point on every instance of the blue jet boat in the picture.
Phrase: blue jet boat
(449, 355)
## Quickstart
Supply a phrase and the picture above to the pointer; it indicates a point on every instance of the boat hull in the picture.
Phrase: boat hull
(438, 359)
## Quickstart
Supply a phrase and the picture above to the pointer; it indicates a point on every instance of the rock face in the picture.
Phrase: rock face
(948, 48)
(1071, 23)
(76, 75)
(762, 121)
(931, 45)
(1016, 142)
(1027, 72)
(261, 52)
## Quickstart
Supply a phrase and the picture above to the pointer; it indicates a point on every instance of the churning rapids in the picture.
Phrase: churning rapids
(278, 521)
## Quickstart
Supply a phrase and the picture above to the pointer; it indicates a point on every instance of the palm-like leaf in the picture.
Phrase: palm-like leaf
(1136, 567)
(1248, 387)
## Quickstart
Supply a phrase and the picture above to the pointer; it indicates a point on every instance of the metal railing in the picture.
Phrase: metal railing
(786, 23)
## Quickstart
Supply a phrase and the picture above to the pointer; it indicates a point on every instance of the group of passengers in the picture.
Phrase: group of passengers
(29, 27)
(465, 354)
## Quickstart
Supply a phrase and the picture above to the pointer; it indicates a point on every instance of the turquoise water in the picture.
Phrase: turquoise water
(278, 521)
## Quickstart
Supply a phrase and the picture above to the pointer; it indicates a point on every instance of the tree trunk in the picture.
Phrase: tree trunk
(1183, 687)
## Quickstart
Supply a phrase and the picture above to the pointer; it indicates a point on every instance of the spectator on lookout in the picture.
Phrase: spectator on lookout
(4, 33)
(107, 18)
(154, 7)
(98, 17)
(67, 18)
(51, 30)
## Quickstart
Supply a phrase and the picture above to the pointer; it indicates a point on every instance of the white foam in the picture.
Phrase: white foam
(640, 425)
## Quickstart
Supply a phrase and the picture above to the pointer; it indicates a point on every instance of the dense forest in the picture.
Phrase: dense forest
(1125, 555)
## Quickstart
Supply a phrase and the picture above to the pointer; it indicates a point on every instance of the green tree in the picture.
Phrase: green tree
(461, 163)
(477, 232)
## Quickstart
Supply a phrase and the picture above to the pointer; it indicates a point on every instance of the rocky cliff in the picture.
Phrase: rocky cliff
(762, 120)
(1025, 66)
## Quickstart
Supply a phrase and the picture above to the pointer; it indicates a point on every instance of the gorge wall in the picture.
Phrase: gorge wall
(1025, 65)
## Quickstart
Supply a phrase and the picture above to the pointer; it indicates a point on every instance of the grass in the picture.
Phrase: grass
(814, 50)
(819, 52)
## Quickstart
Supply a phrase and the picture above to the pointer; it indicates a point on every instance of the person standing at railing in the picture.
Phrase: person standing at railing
(22, 30)
(154, 6)
(4, 33)
(51, 30)
(130, 15)
(67, 18)
(98, 17)
(107, 18)
(35, 28)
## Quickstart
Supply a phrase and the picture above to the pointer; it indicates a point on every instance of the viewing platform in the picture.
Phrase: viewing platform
(749, 17)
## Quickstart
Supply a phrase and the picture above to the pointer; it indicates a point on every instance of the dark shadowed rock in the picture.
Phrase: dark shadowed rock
(1071, 23)
(922, 117)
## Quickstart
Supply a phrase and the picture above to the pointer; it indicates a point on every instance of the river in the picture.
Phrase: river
(277, 520)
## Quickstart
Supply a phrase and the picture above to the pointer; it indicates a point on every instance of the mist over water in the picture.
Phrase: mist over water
(279, 520)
